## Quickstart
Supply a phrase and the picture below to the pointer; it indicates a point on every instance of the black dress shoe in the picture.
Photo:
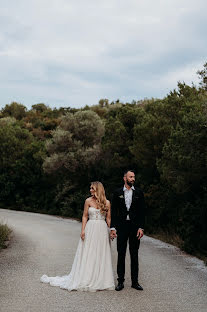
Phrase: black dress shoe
(119, 287)
(137, 286)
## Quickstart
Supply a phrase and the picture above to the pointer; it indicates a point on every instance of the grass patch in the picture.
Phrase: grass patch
(175, 240)
(5, 231)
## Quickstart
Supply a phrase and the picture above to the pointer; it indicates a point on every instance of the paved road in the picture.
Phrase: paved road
(172, 280)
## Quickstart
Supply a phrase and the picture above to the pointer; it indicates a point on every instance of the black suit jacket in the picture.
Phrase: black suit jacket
(119, 210)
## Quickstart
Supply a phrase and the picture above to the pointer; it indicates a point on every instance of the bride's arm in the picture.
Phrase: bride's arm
(108, 216)
(84, 218)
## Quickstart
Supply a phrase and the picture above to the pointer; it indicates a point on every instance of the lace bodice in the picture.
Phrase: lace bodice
(95, 214)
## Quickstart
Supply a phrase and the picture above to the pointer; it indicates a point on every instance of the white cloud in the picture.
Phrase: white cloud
(75, 52)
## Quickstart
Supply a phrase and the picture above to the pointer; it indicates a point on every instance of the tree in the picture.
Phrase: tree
(75, 144)
(203, 77)
(15, 110)
(41, 120)
(183, 163)
(183, 168)
(40, 107)
(20, 167)
(103, 103)
(73, 155)
(120, 122)
(150, 134)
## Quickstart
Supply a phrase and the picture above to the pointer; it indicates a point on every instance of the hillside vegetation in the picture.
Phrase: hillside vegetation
(48, 157)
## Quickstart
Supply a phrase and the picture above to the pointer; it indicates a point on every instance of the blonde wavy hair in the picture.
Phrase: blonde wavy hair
(100, 196)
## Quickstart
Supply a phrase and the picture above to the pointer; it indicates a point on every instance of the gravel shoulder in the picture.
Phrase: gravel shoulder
(42, 244)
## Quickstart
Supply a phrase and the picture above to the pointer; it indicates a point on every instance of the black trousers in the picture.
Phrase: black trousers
(124, 233)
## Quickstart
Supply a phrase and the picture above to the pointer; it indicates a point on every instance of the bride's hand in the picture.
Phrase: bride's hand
(82, 235)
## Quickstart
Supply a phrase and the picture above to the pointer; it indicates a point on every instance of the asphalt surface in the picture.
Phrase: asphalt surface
(43, 244)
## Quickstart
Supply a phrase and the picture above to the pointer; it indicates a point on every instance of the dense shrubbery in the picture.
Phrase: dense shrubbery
(49, 156)
(5, 232)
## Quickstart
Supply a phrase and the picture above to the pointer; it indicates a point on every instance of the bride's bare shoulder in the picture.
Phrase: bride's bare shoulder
(108, 204)
(88, 199)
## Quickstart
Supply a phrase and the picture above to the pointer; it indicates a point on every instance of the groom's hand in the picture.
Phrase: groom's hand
(113, 234)
(140, 233)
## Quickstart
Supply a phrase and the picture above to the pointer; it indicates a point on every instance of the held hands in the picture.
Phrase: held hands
(140, 233)
(113, 234)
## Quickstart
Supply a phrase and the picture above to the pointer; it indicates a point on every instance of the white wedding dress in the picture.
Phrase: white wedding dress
(92, 265)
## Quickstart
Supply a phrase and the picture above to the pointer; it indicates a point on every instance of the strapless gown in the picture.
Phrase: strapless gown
(92, 266)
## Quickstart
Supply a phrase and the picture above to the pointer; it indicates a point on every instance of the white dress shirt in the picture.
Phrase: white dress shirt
(128, 198)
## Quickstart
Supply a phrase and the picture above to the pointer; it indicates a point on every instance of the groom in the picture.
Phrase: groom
(127, 223)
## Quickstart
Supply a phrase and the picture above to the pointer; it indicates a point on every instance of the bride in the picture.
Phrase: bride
(92, 265)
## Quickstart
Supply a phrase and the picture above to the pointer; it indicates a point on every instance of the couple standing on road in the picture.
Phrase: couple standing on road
(124, 219)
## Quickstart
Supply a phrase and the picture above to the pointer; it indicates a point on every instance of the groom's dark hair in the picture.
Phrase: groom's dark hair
(127, 170)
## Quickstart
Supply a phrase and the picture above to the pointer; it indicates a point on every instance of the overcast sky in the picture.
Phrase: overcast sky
(75, 52)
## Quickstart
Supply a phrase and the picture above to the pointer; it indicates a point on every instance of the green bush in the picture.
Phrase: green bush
(4, 234)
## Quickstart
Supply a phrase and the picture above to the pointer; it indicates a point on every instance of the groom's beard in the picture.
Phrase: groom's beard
(130, 183)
